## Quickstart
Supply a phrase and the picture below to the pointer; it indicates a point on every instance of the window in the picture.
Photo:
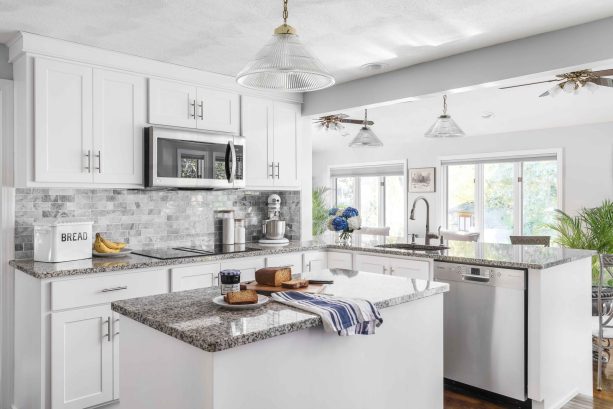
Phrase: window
(500, 197)
(378, 192)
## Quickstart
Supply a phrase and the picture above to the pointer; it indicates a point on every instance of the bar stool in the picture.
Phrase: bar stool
(604, 310)
(459, 235)
(531, 240)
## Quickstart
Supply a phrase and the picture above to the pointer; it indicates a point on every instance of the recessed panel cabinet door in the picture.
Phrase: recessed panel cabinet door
(286, 144)
(81, 357)
(257, 118)
(62, 122)
(172, 103)
(119, 120)
(217, 111)
(371, 264)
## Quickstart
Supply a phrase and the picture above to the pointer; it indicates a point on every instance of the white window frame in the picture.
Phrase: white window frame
(332, 191)
(519, 156)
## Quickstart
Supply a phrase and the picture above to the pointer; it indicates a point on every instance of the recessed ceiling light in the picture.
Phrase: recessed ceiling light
(373, 66)
(487, 114)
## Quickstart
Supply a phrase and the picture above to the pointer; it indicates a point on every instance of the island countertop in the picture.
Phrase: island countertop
(192, 317)
(486, 254)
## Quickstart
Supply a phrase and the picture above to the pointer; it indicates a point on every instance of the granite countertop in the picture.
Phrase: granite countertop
(132, 261)
(487, 254)
(191, 316)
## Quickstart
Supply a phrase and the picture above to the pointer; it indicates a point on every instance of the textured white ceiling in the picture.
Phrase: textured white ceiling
(516, 109)
(221, 35)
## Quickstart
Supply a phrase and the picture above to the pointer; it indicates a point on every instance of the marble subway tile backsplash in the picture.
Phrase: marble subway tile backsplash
(149, 218)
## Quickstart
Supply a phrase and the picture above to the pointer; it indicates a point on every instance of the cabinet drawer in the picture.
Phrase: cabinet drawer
(340, 260)
(371, 264)
(100, 290)
(292, 260)
(192, 277)
(410, 268)
(247, 266)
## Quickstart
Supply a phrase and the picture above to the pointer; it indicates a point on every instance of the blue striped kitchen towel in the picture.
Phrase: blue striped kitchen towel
(345, 316)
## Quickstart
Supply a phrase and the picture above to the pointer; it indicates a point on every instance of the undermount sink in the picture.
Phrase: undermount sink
(416, 247)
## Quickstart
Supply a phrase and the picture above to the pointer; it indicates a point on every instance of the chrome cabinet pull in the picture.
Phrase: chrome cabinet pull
(99, 156)
(277, 165)
(192, 105)
(391, 270)
(201, 106)
(89, 161)
(272, 170)
(115, 323)
(108, 329)
(384, 269)
(106, 290)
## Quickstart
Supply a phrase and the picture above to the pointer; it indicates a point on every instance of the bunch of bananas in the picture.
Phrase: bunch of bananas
(102, 245)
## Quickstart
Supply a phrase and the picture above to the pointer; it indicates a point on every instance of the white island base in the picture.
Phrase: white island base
(401, 366)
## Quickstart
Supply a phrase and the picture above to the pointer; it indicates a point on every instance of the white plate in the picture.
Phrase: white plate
(123, 252)
(262, 299)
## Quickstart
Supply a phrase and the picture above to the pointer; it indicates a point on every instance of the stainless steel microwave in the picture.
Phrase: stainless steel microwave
(193, 160)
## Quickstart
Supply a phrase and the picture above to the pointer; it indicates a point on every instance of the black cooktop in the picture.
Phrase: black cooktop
(196, 251)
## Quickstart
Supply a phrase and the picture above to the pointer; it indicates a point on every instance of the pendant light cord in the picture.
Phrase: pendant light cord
(365, 117)
(444, 104)
(285, 13)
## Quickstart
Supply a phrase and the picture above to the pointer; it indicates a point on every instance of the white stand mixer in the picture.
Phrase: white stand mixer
(273, 229)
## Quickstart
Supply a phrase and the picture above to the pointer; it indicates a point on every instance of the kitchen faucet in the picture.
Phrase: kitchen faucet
(412, 217)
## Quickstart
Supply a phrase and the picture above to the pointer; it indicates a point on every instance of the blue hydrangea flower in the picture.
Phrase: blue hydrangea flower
(332, 212)
(350, 212)
(339, 223)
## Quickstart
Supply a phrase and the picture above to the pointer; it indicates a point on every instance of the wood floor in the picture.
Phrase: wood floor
(601, 400)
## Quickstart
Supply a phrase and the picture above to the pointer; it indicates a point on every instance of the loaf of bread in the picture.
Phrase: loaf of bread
(295, 284)
(273, 276)
(241, 297)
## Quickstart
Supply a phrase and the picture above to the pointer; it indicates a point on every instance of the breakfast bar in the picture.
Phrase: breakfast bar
(181, 350)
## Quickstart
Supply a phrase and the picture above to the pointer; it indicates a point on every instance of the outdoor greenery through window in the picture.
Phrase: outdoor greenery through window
(500, 199)
(379, 198)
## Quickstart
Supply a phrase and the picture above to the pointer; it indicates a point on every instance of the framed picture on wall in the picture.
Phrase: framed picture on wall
(422, 180)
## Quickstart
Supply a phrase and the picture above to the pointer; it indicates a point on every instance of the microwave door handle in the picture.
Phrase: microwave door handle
(230, 167)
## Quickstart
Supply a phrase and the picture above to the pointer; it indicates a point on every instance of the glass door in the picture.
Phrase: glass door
(498, 202)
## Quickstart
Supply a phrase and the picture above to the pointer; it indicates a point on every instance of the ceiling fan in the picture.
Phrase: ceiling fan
(572, 82)
(335, 122)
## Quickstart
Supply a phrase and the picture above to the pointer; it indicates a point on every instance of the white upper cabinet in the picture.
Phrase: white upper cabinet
(62, 122)
(217, 111)
(285, 145)
(119, 120)
(172, 103)
(185, 105)
(271, 131)
(88, 125)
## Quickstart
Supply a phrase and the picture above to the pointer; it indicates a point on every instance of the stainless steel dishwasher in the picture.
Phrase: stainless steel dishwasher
(485, 327)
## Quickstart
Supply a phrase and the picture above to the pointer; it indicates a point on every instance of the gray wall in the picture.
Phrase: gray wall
(6, 69)
(146, 219)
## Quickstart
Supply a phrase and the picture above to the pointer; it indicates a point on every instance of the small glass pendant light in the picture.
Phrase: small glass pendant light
(284, 64)
(444, 127)
(365, 137)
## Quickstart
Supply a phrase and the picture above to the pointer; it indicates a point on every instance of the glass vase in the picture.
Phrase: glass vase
(344, 239)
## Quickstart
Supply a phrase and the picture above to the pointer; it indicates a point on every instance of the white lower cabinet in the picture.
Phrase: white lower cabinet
(337, 259)
(247, 266)
(401, 267)
(314, 262)
(82, 357)
(293, 260)
(192, 277)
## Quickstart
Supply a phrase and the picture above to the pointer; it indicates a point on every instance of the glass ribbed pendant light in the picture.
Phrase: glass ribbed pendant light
(365, 137)
(444, 127)
(284, 64)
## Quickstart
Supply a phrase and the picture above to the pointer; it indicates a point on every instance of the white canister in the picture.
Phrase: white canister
(239, 231)
(58, 241)
(228, 231)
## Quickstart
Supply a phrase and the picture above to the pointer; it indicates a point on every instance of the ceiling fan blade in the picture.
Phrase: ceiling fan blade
(356, 121)
(544, 94)
(603, 73)
(530, 83)
(605, 82)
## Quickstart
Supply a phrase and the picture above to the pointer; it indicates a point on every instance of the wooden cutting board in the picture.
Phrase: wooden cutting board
(267, 289)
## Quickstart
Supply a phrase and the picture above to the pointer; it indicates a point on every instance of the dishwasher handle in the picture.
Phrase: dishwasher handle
(477, 279)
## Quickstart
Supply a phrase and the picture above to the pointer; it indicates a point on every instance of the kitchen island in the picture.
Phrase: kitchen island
(181, 350)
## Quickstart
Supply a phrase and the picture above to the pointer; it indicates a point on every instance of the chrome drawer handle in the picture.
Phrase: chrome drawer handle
(106, 290)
